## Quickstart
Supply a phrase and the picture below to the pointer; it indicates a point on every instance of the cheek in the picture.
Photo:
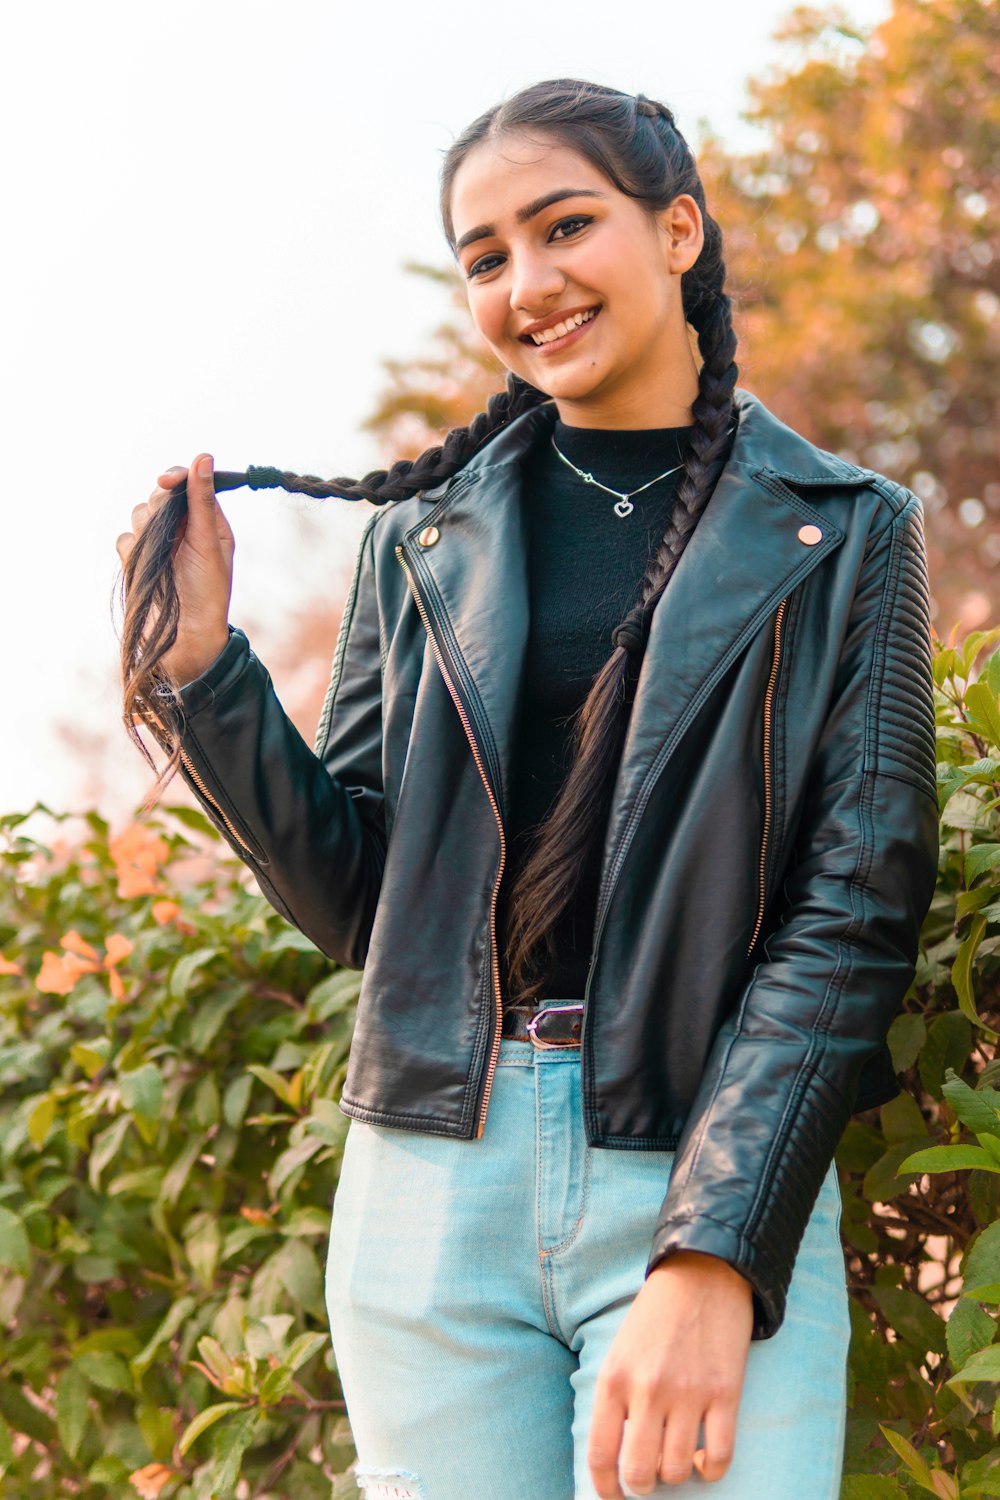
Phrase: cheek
(489, 309)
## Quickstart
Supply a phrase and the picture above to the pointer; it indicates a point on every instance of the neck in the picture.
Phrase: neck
(662, 396)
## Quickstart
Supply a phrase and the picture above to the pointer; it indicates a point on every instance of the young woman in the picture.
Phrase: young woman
(623, 796)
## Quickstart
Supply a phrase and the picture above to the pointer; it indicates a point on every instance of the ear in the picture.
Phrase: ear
(683, 233)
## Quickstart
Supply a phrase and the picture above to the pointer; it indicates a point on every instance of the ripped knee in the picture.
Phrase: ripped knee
(389, 1484)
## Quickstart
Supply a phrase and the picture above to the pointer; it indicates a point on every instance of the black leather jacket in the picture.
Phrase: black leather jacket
(770, 854)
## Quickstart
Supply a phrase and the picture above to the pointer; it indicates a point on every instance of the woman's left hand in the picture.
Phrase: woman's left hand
(678, 1359)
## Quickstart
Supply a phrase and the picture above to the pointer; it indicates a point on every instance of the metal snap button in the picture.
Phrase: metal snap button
(810, 535)
(428, 536)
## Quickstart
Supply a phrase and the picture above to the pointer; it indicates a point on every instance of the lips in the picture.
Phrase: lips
(572, 324)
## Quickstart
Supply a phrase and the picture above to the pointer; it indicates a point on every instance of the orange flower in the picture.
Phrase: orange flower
(169, 911)
(8, 966)
(61, 971)
(150, 1480)
(138, 854)
(256, 1215)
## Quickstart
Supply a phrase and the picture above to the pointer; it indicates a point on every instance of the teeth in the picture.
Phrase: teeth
(561, 329)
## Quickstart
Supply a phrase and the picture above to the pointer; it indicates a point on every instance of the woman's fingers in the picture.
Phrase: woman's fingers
(719, 1421)
(676, 1453)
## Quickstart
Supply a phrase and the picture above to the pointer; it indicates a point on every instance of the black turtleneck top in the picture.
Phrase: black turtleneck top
(585, 569)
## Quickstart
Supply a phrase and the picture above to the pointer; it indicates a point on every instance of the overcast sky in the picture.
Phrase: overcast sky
(207, 208)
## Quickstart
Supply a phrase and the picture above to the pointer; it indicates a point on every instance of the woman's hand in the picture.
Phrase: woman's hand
(203, 568)
(678, 1359)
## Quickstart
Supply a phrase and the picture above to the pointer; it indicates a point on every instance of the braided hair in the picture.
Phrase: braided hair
(635, 141)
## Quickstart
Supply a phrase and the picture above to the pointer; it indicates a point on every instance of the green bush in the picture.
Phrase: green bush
(171, 1056)
(919, 1227)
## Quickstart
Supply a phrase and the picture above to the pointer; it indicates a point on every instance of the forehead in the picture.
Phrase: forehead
(499, 176)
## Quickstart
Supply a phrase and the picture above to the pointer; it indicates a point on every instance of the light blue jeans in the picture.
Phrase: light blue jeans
(475, 1287)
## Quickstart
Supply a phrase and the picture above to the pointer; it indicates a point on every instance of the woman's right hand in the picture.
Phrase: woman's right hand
(203, 568)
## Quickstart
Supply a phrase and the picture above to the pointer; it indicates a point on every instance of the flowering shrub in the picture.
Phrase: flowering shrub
(170, 1056)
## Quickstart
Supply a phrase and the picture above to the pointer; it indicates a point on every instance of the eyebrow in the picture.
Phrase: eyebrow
(483, 231)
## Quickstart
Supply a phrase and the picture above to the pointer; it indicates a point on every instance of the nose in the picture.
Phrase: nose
(536, 282)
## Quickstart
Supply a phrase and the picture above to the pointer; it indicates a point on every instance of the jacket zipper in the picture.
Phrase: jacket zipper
(199, 783)
(494, 948)
(768, 799)
(209, 798)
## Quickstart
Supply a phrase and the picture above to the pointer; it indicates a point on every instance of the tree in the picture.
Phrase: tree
(864, 261)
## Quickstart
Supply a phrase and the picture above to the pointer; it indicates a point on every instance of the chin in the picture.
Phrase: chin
(567, 385)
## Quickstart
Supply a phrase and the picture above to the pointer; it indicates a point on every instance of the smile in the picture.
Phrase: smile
(562, 334)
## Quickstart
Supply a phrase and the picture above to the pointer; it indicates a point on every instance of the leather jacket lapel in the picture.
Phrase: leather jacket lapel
(746, 554)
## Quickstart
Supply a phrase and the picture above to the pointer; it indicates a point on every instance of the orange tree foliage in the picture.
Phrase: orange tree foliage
(864, 259)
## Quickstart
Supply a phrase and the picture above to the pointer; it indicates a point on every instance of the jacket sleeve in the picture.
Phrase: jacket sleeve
(308, 822)
(781, 1079)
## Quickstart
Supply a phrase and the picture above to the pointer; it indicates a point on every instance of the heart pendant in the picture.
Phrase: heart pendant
(623, 507)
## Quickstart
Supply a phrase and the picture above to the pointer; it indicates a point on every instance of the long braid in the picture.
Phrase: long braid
(550, 875)
(149, 597)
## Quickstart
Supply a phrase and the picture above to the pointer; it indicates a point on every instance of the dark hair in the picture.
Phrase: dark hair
(636, 143)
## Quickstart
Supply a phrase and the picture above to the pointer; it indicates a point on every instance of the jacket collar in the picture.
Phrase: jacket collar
(745, 555)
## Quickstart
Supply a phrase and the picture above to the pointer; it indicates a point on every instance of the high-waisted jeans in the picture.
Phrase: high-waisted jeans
(475, 1287)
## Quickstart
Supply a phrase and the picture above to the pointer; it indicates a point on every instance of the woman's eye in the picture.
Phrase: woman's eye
(477, 266)
(573, 225)
(584, 219)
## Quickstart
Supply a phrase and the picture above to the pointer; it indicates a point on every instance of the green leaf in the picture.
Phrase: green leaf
(949, 1159)
(984, 711)
(104, 1147)
(989, 1293)
(41, 1119)
(912, 1317)
(886, 1178)
(901, 1118)
(235, 1100)
(907, 1035)
(142, 1093)
(982, 1261)
(977, 1108)
(22, 1414)
(215, 1357)
(204, 1420)
(969, 1329)
(870, 1487)
(274, 1081)
(962, 968)
(304, 1347)
(72, 1411)
(949, 1040)
(990, 673)
(91, 1056)
(212, 1012)
(194, 818)
(174, 1320)
(186, 971)
(180, 1169)
(232, 1443)
(291, 940)
(15, 1247)
(917, 1466)
(983, 1365)
(203, 1241)
(979, 859)
(105, 1370)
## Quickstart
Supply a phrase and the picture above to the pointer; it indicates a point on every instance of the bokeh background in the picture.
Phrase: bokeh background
(222, 233)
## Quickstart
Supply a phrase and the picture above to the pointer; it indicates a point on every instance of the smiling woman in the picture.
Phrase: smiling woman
(628, 812)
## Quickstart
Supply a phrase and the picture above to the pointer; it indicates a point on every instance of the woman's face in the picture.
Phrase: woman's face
(543, 236)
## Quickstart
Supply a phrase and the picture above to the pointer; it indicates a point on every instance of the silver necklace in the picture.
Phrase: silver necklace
(623, 505)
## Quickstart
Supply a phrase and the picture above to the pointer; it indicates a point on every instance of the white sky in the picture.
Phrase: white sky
(207, 208)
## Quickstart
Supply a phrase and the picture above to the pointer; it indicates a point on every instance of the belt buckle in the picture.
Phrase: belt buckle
(533, 1021)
